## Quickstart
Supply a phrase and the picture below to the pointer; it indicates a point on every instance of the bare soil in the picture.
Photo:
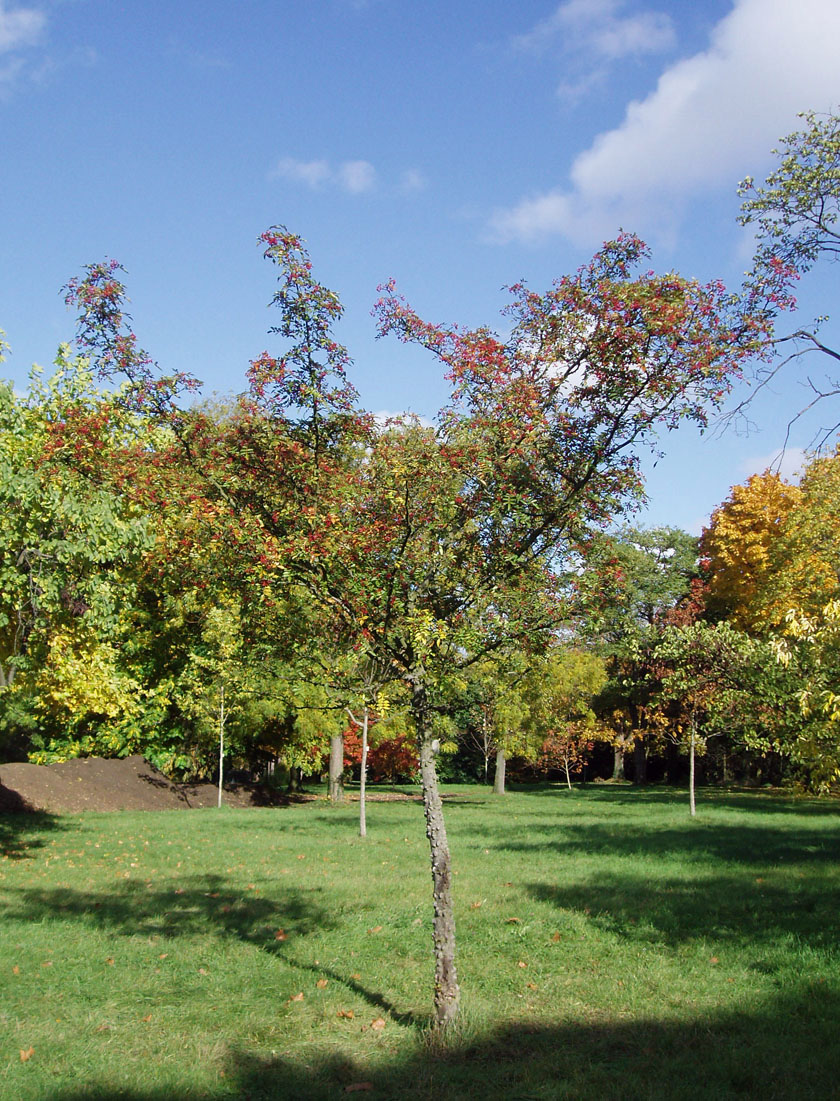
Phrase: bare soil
(129, 783)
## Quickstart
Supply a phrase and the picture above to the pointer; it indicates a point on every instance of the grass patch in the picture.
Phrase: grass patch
(609, 947)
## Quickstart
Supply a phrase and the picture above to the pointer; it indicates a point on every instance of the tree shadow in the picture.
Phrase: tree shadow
(21, 827)
(198, 904)
(786, 1048)
(732, 908)
(274, 923)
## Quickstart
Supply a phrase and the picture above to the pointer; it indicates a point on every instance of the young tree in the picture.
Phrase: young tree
(434, 547)
(702, 671)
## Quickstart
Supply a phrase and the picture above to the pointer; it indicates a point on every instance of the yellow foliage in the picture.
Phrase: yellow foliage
(82, 676)
(740, 545)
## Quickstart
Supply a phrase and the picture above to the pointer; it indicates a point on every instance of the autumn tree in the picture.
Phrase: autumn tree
(793, 215)
(740, 548)
(434, 546)
(631, 581)
(702, 672)
(68, 549)
(563, 687)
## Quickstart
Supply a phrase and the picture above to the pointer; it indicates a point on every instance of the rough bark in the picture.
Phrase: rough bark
(499, 781)
(447, 992)
(336, 785)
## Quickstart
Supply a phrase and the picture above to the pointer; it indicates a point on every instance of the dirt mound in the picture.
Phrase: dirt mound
(130, 783)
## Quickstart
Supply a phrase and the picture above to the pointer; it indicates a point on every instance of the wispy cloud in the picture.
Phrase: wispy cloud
(598, 28)
(19, 27)
(589, 36)
(788, 462)
(711, 119)
(311, 173)
(357, 176)
(412, 181)
(354, 177)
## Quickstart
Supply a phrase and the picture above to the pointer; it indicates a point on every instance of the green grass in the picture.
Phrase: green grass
(609, 947)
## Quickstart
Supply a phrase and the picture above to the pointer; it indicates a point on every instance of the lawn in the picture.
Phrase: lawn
(609, 947)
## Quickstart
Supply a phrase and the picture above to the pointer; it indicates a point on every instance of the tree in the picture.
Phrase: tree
(740, 548)
(563, 687)
(629, 583)
(434, 547)
(810, 650)
(69, 545)
(702, 672)
(794, 218)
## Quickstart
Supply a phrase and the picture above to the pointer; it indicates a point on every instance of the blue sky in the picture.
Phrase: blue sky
(457, 147)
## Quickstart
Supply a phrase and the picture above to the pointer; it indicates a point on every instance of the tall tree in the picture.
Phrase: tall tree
(433, 547)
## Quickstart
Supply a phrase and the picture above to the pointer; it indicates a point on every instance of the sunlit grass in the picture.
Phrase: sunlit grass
(609, 946)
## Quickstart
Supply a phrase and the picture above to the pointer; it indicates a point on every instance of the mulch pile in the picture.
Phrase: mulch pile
(130, 783)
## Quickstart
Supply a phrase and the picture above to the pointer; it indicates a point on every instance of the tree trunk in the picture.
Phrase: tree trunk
(566, 769)
(618, 762)
(447, 992)
(639, 762)
(499, 781)
(221, 742)
(295, 778)
(363, 776)
(692, 804)
(336, 786)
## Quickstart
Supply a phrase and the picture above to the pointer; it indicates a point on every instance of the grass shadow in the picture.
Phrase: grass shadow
(718, 1055)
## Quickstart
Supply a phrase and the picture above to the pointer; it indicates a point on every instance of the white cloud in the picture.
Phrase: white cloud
(311, 173)
(788, 462)
(357, 176)
(597, 28)
(711, 119)
(19, 27)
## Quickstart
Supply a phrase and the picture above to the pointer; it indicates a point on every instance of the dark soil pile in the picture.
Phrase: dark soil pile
(130, 783)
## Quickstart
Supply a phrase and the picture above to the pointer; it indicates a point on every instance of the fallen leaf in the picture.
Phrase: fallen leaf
(279, 935)
(301, 856)
(522, 963)
(378, 1024)
(297, 997)
(357, 1087)
(104, 1028)
(532, 986)
(375, 929)
(25, 1056)
(477, 905)
(714, 959)
(163, 955)
(148, 1017)
(555, 936)
(513, 921)
(348, 1013)
(355, 975)
(15, 970)
(110, 961)
(47, 963)
(203, 971)
(321, 983)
